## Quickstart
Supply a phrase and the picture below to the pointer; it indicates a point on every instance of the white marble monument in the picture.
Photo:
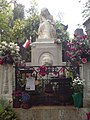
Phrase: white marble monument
(44, 51)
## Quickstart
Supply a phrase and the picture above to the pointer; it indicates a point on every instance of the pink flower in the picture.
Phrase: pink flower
(73, 56)
(67, 44)
(72, 48)
(27, 76)
(67, 53)
(84, 60)
(85, 36)
(81, 37)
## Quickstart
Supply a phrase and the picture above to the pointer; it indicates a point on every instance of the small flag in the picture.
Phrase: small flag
(27, 43)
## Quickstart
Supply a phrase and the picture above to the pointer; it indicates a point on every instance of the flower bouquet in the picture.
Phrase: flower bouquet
(78, 84)
(9, 52)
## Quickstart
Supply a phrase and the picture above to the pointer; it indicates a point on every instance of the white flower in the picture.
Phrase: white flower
(0, 52)
(3, 47)
(78, 81)
(12, 51)
(11, 47)
(4, 42)
(17, 48)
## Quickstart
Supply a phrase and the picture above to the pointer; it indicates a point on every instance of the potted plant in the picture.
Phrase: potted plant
(78, 85)
(6, 111)
(25, 100)
(16, 98)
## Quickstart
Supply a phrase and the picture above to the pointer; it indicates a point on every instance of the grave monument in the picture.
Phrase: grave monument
(44, 51)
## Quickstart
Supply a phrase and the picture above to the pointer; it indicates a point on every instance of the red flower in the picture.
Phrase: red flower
(88, 115)
(73, 56)
(42, 71)
(72, 48)
(84, 60)
(77, 43)
(81, 37)
(1, 61)
(85, 36)
(27, 76)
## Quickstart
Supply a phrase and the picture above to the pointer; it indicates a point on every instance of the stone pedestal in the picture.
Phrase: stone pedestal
(45, 50)
(7, 81)
(86, 76)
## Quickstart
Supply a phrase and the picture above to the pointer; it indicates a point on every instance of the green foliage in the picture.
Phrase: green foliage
(33, 10)
(5, 20)
(32, 22)
(61, 31)
(86, 11)
(31, 27)
(18, 12)
(17, 30)
(6, 112)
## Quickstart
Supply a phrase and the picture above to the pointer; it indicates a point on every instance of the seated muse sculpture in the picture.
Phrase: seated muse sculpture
(47, 28)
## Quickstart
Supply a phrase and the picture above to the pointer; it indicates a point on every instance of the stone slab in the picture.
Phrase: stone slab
(51, 113)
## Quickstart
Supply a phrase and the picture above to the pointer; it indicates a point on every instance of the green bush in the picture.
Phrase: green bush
(6, 111)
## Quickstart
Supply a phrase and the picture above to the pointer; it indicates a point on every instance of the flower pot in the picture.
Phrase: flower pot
(25, 105)
(25, 97)
(16, 99)
(16, 103)
(78, 99)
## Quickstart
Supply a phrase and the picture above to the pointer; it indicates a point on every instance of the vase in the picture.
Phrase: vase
(78, 99)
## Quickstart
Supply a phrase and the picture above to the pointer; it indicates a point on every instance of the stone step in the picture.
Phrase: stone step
(51, 113)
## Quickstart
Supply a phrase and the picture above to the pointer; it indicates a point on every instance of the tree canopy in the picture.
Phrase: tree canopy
(86, 11)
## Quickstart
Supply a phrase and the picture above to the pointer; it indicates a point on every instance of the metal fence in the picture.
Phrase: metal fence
(42, 85)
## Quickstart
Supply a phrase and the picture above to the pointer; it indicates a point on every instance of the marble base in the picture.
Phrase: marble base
(46, 47)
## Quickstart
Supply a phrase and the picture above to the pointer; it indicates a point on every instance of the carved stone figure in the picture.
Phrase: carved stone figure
(47, 28)
(46, 59)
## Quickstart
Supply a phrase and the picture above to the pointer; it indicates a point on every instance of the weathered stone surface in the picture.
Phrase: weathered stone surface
(7, 80)
(43, 47)
(51, 113)
(86, 76)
